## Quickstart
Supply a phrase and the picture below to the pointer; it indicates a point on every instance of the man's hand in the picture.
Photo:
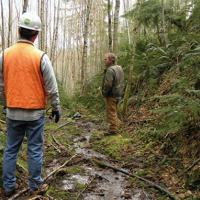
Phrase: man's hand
(57, 114)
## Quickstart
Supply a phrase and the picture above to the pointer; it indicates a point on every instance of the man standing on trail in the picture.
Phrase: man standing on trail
(26, 80)
(112, 90)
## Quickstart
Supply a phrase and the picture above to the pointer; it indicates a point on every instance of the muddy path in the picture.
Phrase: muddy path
(82, 178)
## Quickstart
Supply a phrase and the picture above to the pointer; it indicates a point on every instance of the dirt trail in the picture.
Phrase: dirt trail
(95, 183)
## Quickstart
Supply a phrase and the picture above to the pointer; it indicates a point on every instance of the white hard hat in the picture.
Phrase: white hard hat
(30, 20)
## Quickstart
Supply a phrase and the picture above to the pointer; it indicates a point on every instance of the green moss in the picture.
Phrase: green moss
(57, 194)
(48, 159)
(140, 172)
(112, 145)
(80, 187)
(51, 127)
(73, 170)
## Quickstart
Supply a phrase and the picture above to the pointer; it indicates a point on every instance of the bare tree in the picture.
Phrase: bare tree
(85, 46)
(109, 28)
(55, 36)
(2, 32)
(126, 4)
(25, 6)
(42, 33)
(10, 23)
(116, 24)
(163, 23)
(64, 43)
(128, 87)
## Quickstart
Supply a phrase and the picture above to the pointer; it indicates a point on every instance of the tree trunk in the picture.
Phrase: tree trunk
(2, 32)
(116, 24)
(126, 21)
(64, 43)
(85, 46)
(109, 28)
(47, 11)
(54, 30)
(25, 6)
(128, 87)
(163, 23)
(10, 23)
(41, 35)
(55, 38)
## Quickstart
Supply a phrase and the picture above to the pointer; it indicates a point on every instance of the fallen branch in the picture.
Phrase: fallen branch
(54, 139)
(193, 164)
(2, 121)
(97, 175)
(140, 178)
(55, 148)
(62, 125)
(18, 194)
(44, 179)
(86, 187)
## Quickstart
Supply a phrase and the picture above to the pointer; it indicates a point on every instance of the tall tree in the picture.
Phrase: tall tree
(46, 26)
(25, 5)
(116, 24)
(85, 46)
(55, 36)
(163, 23)
(126, 5)
(10, 23)
(63, 17)
(128, 87)
(2, 31)
(109, 28)
(42, 33)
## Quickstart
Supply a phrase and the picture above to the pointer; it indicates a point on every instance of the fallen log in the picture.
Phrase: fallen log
(101, 164)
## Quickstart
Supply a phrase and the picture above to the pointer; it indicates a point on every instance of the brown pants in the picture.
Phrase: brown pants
(111, 114)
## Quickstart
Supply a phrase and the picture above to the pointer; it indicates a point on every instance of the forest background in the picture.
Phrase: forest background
(157, 43)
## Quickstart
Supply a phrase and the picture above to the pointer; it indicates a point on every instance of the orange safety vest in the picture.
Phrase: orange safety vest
(23, 82)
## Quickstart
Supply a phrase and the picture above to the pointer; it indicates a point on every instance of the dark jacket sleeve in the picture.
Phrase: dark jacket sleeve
(108, 80)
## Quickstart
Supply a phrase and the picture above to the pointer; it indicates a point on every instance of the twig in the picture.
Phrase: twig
(194, 163)
(86, 187)
(101, 177)
(145, 194)
(59, 168)
(51, 198)
(2, 121)
(55, 148)
(54, 139)
(62, 125)
(18, 194)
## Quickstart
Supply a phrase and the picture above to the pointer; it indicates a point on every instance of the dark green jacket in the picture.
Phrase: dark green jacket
(113, 82)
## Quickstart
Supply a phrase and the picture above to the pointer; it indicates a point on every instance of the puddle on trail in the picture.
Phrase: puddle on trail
(73, 181)
(110, 186)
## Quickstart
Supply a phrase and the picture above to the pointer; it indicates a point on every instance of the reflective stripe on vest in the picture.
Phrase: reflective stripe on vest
(23, 82)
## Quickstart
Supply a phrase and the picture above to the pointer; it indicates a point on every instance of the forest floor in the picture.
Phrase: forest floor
(77, 157)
